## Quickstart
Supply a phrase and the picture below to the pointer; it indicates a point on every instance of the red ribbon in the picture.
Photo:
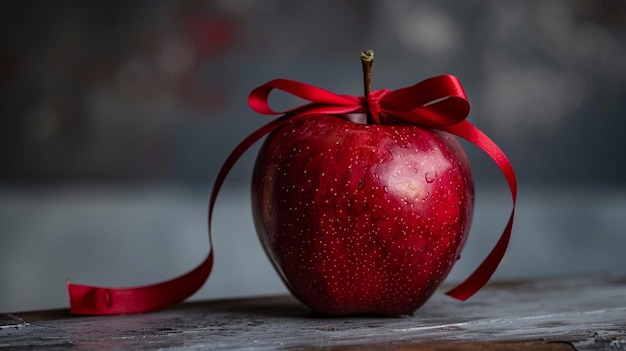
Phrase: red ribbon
(438, 103)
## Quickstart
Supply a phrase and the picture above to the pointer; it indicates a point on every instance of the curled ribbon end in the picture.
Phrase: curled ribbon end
(92, 300)
(87, 300)
(84, 299)
(463, 292)
(458, 296)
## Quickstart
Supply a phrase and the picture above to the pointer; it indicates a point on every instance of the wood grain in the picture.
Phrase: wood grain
(587, 313)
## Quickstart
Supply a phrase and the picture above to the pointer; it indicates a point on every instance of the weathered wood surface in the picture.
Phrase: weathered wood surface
(550, 314)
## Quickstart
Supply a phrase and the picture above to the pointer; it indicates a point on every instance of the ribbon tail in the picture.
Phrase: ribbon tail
(483, 273)
(91, 300)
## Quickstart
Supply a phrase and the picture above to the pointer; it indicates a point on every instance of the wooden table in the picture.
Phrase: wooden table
(583, 313)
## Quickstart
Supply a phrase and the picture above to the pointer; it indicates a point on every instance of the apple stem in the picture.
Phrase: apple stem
(367, 59)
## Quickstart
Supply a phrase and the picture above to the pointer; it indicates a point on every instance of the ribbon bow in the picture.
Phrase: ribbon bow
(434, 103)
(438, 103)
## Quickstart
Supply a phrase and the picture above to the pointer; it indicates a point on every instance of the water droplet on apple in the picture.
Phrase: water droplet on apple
(430, 177)
(385, 189)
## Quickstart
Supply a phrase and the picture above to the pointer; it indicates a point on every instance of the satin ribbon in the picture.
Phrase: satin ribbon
(438, 103)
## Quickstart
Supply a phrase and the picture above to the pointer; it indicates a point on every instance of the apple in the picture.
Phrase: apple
(361, 218)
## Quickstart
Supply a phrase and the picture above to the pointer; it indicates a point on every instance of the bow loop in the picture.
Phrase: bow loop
(434, 102)
(321, 100)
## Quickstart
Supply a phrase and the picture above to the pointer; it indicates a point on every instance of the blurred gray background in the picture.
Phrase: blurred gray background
(116, 116)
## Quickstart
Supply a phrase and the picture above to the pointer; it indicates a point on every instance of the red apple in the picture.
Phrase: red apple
(361, 218)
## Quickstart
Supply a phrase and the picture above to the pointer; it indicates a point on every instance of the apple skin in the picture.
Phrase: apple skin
(361, 218)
